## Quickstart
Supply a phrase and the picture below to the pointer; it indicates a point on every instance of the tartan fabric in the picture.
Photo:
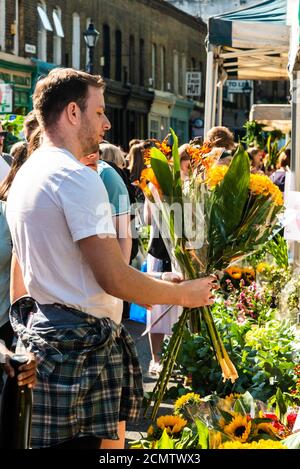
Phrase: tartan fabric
(89, 376)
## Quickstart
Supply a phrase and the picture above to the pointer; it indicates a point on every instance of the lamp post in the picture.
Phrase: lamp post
(247, 91)
(91, 36)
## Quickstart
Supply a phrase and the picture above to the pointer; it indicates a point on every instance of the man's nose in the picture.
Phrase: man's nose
(107, 124)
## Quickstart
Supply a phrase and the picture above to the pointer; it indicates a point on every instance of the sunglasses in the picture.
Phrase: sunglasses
(3, 134)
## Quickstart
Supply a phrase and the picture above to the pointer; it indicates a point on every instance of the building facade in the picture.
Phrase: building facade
(144, 51)
(236, 106)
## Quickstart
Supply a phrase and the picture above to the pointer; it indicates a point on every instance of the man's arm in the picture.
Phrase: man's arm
(17, 287)
(118, 279)
(122, 225)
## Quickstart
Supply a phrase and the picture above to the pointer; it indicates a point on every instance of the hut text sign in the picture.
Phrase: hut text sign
(193, 84)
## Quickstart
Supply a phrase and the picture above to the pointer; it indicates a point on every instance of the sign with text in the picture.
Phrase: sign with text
(193, 84)
(6, 97)
(238, 86)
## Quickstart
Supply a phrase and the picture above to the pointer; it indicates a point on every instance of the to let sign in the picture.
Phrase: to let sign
(193, 84)
(238, 86)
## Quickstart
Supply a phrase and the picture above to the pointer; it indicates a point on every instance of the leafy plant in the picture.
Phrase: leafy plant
(254, 134)
(273, 152)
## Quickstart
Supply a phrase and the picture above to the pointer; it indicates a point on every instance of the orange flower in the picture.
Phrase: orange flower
(234, 272)
(164, 148)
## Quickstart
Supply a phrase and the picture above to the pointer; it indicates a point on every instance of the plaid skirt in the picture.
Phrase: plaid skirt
(89, 376)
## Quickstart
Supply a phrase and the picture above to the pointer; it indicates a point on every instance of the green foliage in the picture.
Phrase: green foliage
(226, 206)
(274, 152)
(254, 134)
(161, 168)
(263, 355)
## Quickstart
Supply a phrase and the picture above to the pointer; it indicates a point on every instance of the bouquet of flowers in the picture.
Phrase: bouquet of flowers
(221, 214)
(234, 422)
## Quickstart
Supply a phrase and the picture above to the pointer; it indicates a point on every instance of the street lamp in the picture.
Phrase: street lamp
(247, 92)
(91, 36)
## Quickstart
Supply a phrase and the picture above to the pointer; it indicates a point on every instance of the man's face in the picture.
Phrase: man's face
(90, 160)
(94, 122)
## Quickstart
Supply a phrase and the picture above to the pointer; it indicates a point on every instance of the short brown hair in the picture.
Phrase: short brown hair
(221, 137)
(62, 86)
(30, 124)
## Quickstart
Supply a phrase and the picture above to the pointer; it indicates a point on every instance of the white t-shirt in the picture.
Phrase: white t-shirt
(53, 202)
(4, 168)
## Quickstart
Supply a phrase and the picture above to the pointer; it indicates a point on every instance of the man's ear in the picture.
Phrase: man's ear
(72, 111)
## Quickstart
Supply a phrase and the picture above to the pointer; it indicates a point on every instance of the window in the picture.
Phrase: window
(183, 75)
(154, 129)
(76, 41)
(106, 50)
(153, 65)
(175, 71)
(118, 65)
(131, 59)
(142, 63)
(162, 68)
(87, 51)
(59, 33)
(2, 25)
(44, 25)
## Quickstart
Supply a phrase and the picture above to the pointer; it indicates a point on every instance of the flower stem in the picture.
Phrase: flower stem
(168, 363)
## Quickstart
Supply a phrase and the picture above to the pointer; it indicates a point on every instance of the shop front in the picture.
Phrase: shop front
(127, 108)
(160, 114)
(16, 84)
(180, 119)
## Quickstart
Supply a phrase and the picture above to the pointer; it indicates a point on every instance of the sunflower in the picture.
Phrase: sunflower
(239, 428)
(229, 401)
(234, 272)
(261, 444)
(265, 428)
(187, 399)
(172, 423)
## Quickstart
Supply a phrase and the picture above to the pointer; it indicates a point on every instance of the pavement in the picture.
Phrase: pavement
(134, 431)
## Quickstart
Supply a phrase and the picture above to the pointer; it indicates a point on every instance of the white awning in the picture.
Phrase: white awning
(57, 24)
(44, 18)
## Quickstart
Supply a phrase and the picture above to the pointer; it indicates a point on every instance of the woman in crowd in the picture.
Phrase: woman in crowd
(19, 154)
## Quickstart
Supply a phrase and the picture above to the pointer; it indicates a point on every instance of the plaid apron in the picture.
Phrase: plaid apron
(89, 376)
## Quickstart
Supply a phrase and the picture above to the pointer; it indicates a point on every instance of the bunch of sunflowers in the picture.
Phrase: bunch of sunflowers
(235, 422)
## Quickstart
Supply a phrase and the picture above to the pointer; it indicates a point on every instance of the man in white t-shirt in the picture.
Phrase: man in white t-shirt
(4, 159)
(66, 257)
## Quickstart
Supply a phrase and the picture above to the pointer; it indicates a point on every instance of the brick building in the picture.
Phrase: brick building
(144, 50)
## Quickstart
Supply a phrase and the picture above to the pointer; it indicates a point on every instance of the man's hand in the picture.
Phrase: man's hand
(27, 371)
(199, 292)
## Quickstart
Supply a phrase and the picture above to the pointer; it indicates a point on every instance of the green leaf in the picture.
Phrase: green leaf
(177, 184)
(227, 203)
(202, 434)
(162, 171)
(281, 407)
(165, 441)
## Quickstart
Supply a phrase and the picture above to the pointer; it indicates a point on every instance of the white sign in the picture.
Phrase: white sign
(30, 48)
(239, 86)
(291, 220)
(6, 97)
(193, 84)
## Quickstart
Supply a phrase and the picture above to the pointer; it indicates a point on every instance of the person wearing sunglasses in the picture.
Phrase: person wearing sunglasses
(5, 159)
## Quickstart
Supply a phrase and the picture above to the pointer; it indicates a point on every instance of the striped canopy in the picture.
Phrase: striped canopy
(253, 42)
